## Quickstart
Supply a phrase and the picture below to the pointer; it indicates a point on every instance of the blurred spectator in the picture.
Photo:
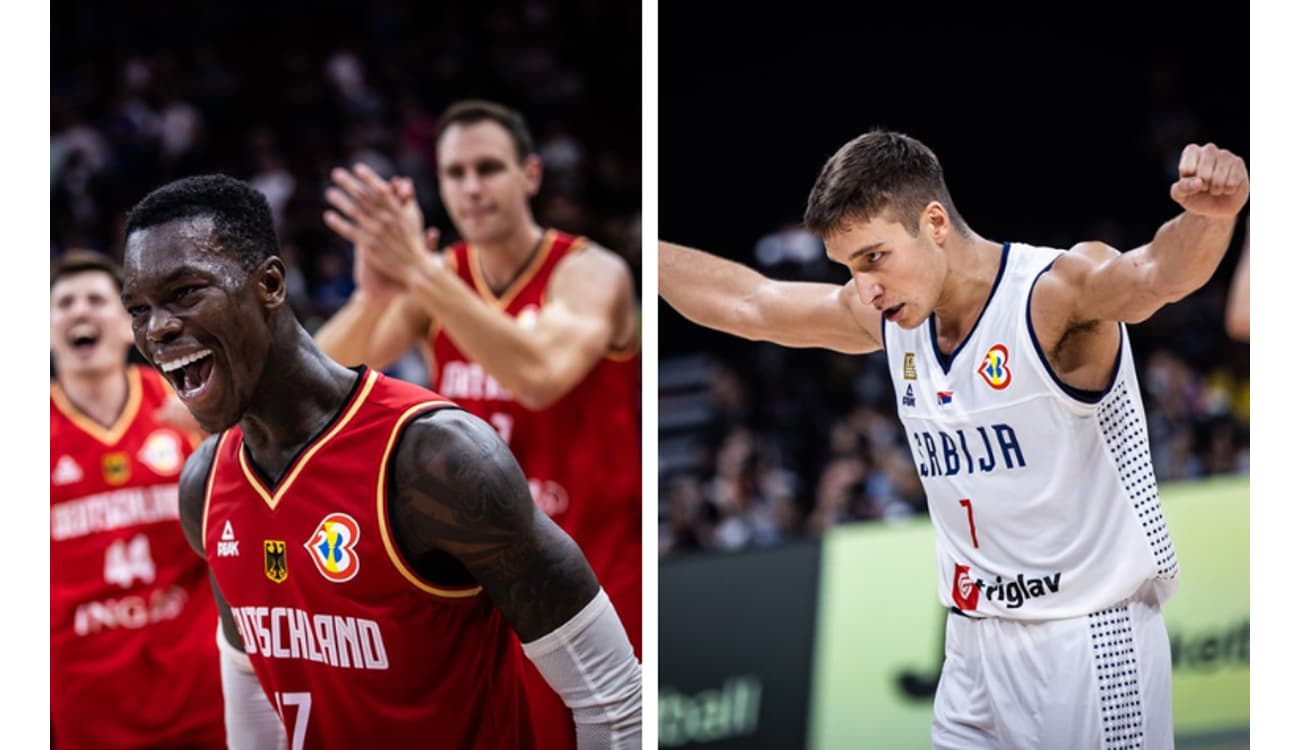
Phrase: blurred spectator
(178, 93)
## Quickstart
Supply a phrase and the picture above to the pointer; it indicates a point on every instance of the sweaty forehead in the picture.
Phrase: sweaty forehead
(464, 144)
(154, 252)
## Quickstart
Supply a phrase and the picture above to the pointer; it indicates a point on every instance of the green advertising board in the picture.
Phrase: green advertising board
(880, 638)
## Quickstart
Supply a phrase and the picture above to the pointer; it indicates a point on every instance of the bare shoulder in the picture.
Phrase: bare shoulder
(458, 455)
(1074, 266)
(593, 267)
(193, 490)
(596, 284)
(1057, 292)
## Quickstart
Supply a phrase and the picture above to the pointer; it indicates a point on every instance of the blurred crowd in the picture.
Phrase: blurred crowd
(280, 93)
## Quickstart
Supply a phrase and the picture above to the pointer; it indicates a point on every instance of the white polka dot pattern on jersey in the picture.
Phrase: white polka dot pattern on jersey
(1126, 438)
(1117, 678)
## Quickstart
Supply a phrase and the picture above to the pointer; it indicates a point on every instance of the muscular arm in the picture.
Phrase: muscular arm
(251, 722)
(1076, 303)
(589, 309)
(717, 293)
(1095, 283)
(373, 331)
(458, 490)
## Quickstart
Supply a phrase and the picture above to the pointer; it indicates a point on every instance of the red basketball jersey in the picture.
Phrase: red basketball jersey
(352, 647)
(582, 454)
(133, 661)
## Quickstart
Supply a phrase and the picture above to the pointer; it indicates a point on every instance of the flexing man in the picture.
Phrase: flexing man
(1020, 400)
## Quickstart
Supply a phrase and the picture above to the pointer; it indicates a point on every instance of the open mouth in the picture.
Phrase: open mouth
(189, 375)
(894, 313)
(83, 337)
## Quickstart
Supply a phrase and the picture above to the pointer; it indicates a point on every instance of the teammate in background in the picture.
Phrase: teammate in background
(132, 657)
(1238, 317)
(372, 546)
(1019, 397)
(532, 330)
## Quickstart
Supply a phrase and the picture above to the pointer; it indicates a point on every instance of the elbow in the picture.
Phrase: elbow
(538, 389)
(1157, 288)
(752, 315)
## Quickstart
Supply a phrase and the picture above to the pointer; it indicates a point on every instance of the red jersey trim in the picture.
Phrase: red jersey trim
(382, 514)
(508, 296)
(110, 435)
(255, 481)
(207, 490)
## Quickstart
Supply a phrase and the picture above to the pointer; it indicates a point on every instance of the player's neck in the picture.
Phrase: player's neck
(300, 393)
(973, 264)
(99, 395)
(502, 261)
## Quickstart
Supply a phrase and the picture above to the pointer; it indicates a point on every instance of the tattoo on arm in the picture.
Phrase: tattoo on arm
(459, 490)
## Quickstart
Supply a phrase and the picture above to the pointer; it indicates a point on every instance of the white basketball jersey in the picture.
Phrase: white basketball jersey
(1043, 496)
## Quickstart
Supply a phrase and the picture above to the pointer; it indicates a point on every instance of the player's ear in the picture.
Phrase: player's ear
(271, 288)
(533, 173)
(935, 222)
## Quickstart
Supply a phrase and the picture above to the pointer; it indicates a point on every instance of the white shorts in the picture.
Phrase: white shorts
(1100, 681)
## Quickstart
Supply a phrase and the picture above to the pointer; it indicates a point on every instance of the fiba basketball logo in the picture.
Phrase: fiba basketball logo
(994, 369)
(333, 547)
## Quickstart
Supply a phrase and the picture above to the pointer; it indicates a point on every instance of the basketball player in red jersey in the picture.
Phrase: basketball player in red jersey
(132, 658)
(372, 545)
(532, 330)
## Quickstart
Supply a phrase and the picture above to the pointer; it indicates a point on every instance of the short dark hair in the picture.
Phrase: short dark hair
(79, 261)
(240, 214)
(876, 172)
(471, 111)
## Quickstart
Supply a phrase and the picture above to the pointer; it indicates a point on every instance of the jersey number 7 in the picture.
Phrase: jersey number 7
(970, 518)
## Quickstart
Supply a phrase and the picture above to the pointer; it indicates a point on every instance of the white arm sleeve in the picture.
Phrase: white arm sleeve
(589, 662)
(251, 721)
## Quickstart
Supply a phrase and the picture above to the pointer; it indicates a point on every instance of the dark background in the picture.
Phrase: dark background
(1050, 132)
